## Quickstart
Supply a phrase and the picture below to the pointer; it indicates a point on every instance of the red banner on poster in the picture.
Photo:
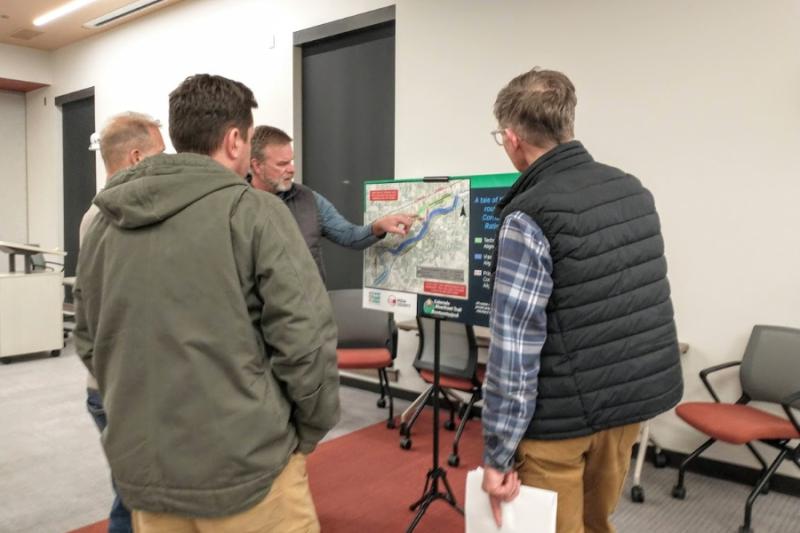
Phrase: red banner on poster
(445, 289)
(383, 195)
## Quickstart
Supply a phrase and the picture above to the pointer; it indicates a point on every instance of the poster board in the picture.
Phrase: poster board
(441, 268)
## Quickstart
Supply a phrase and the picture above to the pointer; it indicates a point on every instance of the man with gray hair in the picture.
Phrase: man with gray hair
(272, 170)
(125, 140)
(583, 345)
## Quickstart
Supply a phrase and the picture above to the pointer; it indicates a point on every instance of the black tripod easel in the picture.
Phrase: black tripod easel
(431, 491)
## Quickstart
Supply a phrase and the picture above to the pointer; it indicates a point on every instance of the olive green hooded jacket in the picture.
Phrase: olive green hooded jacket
(203, 317)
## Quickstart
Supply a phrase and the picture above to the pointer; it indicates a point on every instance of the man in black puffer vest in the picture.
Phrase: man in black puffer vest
(583, 343)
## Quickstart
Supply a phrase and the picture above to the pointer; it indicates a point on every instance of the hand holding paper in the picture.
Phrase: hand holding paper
(500, 487)
(533, 511)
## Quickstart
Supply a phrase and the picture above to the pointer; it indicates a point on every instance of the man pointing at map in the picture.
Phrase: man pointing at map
(272, 169)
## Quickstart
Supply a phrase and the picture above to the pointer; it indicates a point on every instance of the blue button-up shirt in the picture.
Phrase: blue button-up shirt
(518, 328)
(338, 229)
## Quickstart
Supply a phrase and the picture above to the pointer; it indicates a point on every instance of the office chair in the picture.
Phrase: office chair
(769, 372)
(38, 263)
(367, 340)
(459, 370)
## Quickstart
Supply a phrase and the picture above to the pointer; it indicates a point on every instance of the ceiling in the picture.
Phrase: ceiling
(16, 21)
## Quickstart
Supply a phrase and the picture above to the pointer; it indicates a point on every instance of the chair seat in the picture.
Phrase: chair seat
(735, 423)
(449, 382)
(363, 357)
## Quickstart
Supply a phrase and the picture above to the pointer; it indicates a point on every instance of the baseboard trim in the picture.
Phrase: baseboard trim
(744, 475)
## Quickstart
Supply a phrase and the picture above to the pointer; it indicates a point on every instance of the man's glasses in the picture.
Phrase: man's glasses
(497, 135)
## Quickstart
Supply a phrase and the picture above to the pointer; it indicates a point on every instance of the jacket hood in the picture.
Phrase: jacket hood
(161, 186)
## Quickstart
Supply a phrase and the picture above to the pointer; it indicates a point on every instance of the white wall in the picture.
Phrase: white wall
(136, 66)
(699, 99)
(25, 64)
(45, 170)
(14, 196)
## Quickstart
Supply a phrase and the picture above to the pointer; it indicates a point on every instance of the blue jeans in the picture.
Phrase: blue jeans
(119, 517)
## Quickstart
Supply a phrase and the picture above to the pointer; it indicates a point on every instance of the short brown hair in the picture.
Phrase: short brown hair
(203, 108)
(539, 105)
(125, 132)
(266, 136)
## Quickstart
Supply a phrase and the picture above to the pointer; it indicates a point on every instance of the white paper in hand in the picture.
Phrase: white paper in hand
(533, 511)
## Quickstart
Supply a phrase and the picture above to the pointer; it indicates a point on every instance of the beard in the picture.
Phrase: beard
(283, 185)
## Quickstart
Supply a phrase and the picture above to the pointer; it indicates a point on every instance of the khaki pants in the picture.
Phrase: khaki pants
(588, 474)
(287, 508)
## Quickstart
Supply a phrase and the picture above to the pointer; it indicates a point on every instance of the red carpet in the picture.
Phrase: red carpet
(363, 482)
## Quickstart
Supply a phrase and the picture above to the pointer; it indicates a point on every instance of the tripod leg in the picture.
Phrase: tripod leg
(449, 496)
(424, 491)
(426, 501)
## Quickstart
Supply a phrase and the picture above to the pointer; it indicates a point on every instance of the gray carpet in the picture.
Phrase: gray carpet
(53, 476)
(711, 506)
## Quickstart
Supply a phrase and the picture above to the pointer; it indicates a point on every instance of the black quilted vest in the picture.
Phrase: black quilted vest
(301, 202)
(611, 355)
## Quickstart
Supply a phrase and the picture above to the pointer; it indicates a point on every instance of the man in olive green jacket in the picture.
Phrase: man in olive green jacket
(202, 315)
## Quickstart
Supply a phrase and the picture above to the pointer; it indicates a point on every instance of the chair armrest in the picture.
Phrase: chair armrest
(792, 398)
(786, 403)
(706, 371)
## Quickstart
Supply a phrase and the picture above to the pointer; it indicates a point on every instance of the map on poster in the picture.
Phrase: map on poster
(442, 267)
(433, 257)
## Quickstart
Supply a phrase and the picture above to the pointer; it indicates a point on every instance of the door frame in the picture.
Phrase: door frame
(59, 102)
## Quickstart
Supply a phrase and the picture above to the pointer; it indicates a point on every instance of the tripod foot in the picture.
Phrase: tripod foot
(432, 493)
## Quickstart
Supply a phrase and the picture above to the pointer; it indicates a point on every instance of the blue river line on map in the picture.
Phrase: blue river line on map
(415, 238)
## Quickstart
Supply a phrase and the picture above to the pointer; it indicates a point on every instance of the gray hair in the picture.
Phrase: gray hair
(267, 136)
(125, 132)
(539, 105)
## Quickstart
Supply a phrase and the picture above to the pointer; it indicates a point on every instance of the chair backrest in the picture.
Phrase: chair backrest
(458, 350)
(771, 363)
(359, 327)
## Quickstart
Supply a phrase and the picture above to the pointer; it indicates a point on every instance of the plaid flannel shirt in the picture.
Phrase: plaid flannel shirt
(518, 328)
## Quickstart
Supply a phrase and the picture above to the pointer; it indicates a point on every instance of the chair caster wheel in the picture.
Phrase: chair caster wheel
(453, 460)
(405, 443)
(381, 402)
(678, 492)
(743, 529)
(637, 494)
(390, 424)
(449, 425)
(55, 353)
(660, 460)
